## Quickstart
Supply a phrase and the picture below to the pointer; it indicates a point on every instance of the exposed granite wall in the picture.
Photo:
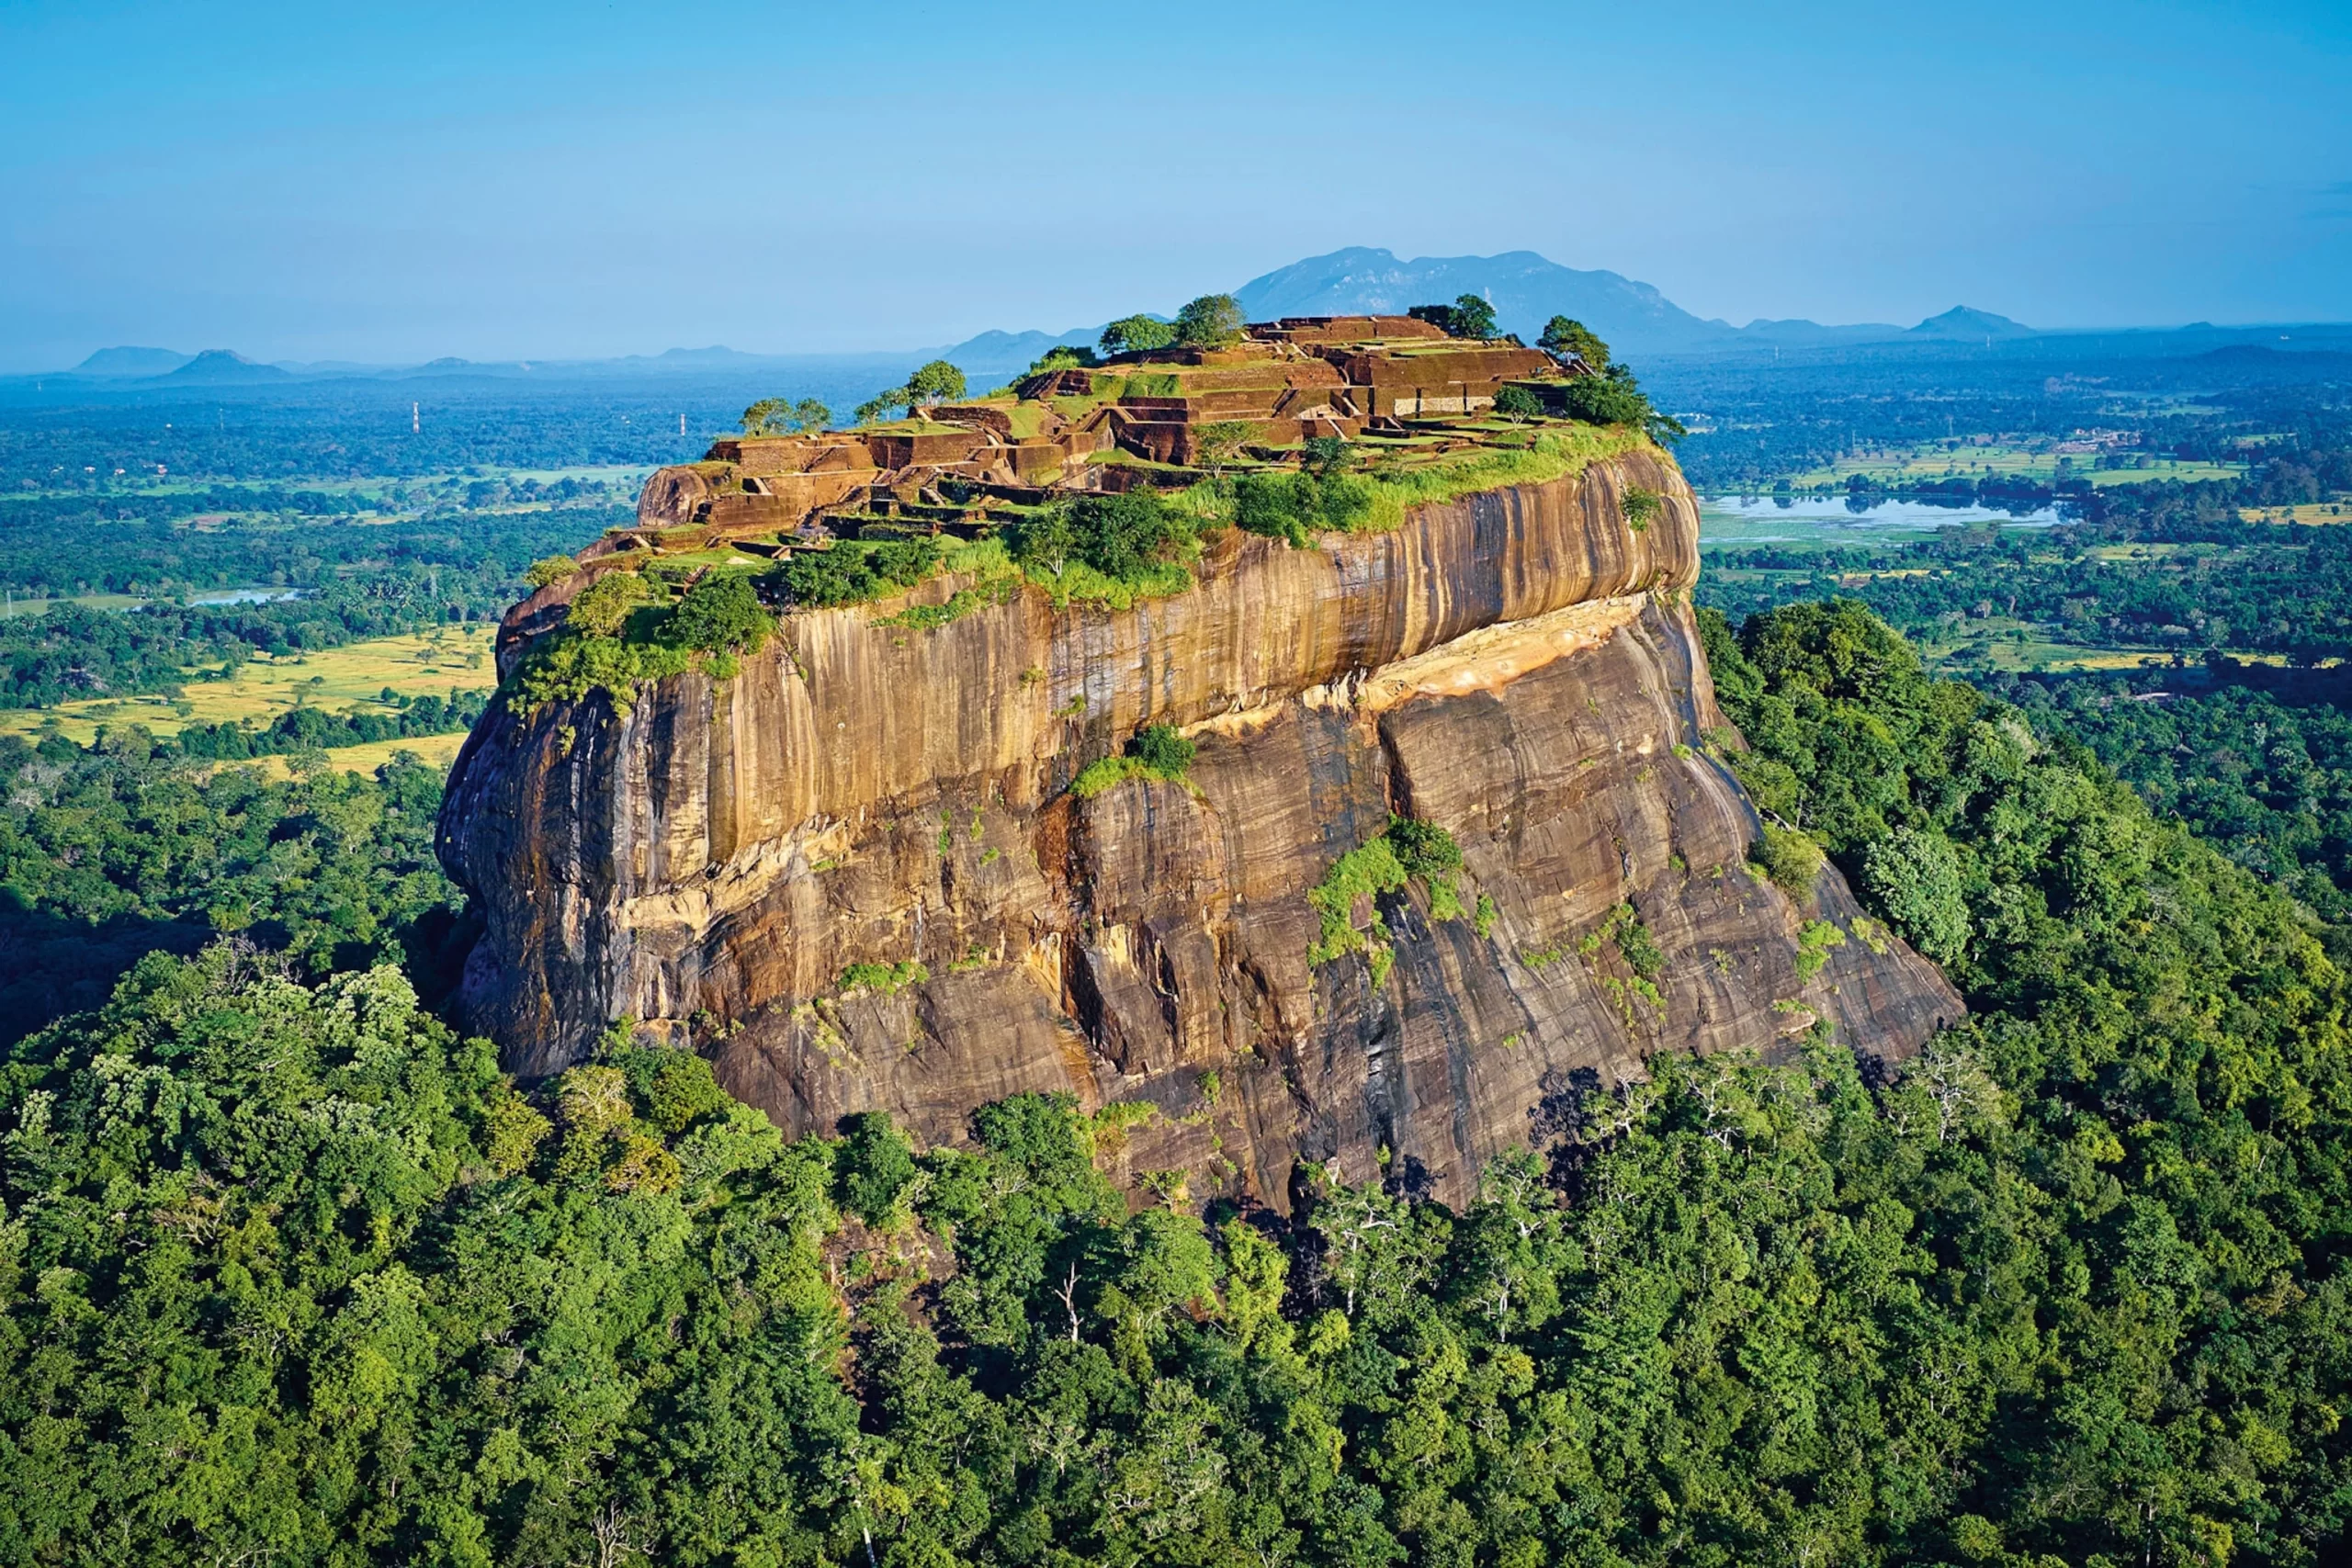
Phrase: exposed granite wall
(1519, 666)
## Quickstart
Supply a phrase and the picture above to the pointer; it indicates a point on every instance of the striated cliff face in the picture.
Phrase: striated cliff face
(1519, 667)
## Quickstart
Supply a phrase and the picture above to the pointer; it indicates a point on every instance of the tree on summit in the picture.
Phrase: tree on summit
(937, 382)
(1565, 334)
(1468, 316)
(775, 416)
(1210, 321)
(1472, 317)
(1136, 335)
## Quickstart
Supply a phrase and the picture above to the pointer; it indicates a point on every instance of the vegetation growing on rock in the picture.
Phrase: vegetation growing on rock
(1406, 850)
(1156, 751)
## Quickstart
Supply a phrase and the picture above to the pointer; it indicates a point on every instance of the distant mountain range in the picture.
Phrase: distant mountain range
(132, 362)
(1526, 290)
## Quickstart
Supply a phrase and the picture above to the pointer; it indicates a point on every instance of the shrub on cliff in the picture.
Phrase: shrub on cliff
(1611, 395)
(1277, 506)
(549, 570)
(1155, 751)
(1295, 506)
(1518, 402)
(1641, 508)
(1122, 536)
(851, 572)
(722, 613)
(568, 666)
(1614, 397)
(1129, 541)
(1406, 850)
(618, 634)
(1791, 858)
(604, 607)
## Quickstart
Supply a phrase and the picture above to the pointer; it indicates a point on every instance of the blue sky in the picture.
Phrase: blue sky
(399, 181)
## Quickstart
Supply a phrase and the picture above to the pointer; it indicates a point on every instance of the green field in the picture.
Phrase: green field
(2033, 652)
(337, 680)
(1895, 467)
(2309, 513)
(21, 605)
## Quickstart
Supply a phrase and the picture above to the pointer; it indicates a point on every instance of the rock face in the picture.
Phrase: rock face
(1519, 667)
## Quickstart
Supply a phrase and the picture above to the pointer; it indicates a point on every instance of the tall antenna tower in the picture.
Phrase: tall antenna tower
(415, 422)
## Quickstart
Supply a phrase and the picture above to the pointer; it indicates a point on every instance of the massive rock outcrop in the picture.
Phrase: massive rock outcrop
(1519, 667)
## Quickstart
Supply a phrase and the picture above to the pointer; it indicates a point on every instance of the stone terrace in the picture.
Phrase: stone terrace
(1136, 419)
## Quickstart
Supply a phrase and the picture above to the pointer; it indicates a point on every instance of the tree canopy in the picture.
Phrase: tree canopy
(1132, 334)
(1212, 321)
(935, 382)
(1564, 334)
(1469, 316)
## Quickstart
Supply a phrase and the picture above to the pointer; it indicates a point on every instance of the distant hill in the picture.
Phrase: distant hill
(220, 366)
(1800, 333)
(132, 362)
(1963, 325)
(1525, 290)
(1007, 351)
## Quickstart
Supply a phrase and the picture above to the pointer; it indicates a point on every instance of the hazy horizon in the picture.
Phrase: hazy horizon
(889, 350)
(519, 183)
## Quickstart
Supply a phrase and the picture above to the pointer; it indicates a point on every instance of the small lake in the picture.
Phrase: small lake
(210, 598)
(1836, 520)
(244, 595)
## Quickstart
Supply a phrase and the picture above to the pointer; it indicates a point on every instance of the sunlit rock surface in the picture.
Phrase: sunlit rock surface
(1520, 667)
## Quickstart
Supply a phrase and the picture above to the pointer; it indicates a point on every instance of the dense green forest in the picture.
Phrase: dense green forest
(110, 852)
(69, 652)
(292, 1274)
(2266, 778)
(58, 546)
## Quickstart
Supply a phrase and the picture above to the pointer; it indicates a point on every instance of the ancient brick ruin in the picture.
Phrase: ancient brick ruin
(1135, 419)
